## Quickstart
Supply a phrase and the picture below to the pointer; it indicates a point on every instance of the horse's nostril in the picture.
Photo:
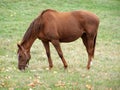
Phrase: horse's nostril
(21, 67)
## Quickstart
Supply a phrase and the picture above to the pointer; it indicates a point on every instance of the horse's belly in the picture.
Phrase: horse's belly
(69, 38)
(70, 34)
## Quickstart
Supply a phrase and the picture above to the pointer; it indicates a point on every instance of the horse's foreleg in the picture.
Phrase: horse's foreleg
(47, 48)
(56, 44)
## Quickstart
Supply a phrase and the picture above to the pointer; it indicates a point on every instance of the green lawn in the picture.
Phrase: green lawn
(15, 17)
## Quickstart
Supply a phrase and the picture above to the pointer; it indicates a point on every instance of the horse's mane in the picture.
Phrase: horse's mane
(35, 27)
(30, 31)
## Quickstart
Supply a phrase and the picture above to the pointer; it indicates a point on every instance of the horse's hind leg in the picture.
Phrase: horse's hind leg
(47, 48)
(90, 51)
(89, 44)
(84, 39)
(56, 44)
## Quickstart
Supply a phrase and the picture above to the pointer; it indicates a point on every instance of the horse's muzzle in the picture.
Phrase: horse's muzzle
(21, 67)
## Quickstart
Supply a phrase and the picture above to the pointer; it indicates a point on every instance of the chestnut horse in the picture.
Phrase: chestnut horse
(55, 27)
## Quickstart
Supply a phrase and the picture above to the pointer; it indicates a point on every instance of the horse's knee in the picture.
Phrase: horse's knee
(60, 54)
(90, 51)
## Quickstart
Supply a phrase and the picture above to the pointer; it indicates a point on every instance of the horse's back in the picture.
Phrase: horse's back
(68, 26)
(80, 16)
(88, 20)
(86, 16)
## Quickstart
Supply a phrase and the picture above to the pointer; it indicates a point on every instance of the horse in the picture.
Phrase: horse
(56, 27)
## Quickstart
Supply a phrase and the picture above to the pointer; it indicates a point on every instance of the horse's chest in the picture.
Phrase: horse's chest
(42, 36)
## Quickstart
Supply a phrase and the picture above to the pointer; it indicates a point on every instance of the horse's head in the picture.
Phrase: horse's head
(23, 57)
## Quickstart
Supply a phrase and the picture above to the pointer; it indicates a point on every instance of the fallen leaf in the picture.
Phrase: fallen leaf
(59, 84)
(46, 68)
(83, 75)
(31, 84)
(88, 77)
(74, 83)
(7, 77)
(11, 88)
(30, 88)
(89, 87)
(30, 77)
(36, 81)
(110, 88)
(3, 84)
(55, 72)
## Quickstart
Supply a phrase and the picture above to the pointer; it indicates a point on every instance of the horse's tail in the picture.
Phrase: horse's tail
(94, 45)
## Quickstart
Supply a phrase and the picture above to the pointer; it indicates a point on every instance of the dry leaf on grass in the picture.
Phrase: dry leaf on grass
(34, 83)
(30, 88)
(89, 87)
(55, 72)
(60, 84)
(11, 89)
(31, 84)
(74, 83)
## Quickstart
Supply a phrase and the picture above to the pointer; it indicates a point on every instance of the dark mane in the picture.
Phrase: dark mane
(35, 26)
(30, 31)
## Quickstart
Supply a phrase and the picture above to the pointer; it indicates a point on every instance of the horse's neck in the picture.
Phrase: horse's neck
(27, 45)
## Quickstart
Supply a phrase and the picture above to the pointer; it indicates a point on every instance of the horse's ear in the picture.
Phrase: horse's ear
(19, 46)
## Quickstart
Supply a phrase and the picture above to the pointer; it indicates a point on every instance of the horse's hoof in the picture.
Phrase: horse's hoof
(50, 67)
(88, 67)
(65, 67)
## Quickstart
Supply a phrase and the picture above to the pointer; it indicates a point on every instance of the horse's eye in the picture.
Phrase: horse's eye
(20, 56)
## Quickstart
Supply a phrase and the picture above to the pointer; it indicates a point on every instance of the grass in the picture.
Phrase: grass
(15, 17)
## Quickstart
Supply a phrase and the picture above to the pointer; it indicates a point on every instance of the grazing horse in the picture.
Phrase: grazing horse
(55, 27)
